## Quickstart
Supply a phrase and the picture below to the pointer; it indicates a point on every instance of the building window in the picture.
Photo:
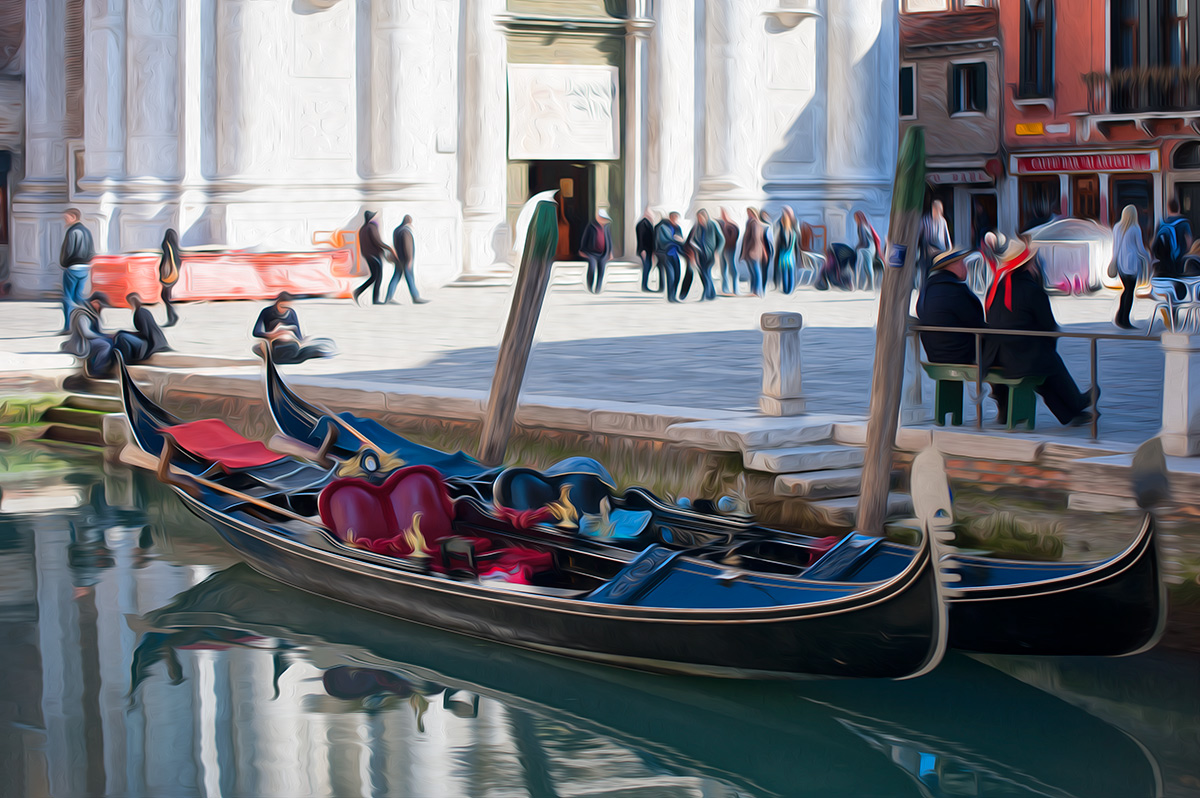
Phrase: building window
(1037, 48)
(908, 92)
(1175, 38)
(1187, 156)
(968, 88)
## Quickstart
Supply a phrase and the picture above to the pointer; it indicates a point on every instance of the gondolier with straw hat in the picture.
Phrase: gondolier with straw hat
(947, 301)
(1017, 300)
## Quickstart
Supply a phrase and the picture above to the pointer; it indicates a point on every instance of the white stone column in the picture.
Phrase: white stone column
(1181, 394)
(483, 137)
(781, 391)
(40, 197)
(402, 58)
(151, 109)
(637, 85)
(672, 149)
(732, 95)
(104, 99)
(862, 73)
(196, 129)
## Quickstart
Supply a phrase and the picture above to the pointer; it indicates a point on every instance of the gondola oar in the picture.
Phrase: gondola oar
(174, 476)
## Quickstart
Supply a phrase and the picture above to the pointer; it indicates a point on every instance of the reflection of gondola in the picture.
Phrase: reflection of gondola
(967, 720)
(661, 610)
(1097, 608)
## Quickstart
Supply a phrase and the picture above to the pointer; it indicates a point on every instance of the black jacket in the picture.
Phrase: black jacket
(370, 244)
(1022, 356)
(946, 301)
(402, 241)
(77, 247)
(645, 235)
(596, 241)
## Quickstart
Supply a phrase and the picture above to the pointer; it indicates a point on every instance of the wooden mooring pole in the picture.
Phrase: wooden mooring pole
(541, 241)
(887, 377)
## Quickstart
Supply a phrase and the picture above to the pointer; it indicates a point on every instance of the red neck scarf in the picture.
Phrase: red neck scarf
(1002, 272)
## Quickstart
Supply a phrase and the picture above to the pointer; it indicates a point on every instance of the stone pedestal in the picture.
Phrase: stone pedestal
(1181, 395)
(781, 394)
(913, 408)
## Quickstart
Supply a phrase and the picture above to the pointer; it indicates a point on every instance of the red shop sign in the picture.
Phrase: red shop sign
(1097, 162)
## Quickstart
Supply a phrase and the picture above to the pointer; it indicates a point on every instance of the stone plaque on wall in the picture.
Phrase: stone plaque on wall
(563, 112)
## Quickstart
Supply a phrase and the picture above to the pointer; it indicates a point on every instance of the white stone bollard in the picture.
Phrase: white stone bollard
(1181, 394)
(781, 395)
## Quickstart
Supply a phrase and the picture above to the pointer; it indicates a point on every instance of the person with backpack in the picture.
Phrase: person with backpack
(1172, 240)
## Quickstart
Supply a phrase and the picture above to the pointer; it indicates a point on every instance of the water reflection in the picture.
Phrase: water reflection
(140, 658)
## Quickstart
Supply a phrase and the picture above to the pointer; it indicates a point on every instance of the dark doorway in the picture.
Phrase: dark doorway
(573, 182)
(1039, 200)
(983, 216)
(1135, 190)
(1085, 197)
(1189, 202)
(944, 195)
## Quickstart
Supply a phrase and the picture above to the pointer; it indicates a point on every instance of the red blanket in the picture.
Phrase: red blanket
(212, 439)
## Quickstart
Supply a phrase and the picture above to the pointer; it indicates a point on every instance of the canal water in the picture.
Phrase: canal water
(139, 657)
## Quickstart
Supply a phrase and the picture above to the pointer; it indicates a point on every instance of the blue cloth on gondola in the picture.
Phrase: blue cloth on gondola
(622, 525)
(632, 581)
(450, 464)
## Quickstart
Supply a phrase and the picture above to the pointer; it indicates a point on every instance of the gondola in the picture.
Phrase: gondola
(1109, 607)
(468, 570)
(951, 732)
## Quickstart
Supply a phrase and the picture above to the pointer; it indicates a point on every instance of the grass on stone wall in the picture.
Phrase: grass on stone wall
(18, 411)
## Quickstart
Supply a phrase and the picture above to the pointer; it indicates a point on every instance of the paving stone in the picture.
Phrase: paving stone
(842, 512)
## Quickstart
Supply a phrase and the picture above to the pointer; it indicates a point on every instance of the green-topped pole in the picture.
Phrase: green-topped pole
(908, 197)
(541, 242)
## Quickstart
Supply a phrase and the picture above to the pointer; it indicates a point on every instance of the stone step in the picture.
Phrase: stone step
(74, 417)
(66, 433)
(836, 484)
(803, 458)
(842, 512)
(85, 401)
(80, 384)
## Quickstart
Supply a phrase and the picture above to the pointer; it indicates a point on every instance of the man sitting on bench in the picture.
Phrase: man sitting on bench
(947, 301)
(1018, 301)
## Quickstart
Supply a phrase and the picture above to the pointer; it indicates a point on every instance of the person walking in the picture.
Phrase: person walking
(1129, 260)
(865, 253)
(1172, 240)
(706, 242)
(168, 273)
(373, 250)
(769, 244)
(596, 248)
(754, 251)
(668, 246)
(786, 245)
(644, 231)
(934, 238)
(729, 271)
(75, 258)
(404, 248)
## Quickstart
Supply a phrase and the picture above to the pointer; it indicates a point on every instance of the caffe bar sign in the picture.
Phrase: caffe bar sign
(562, 112)
(1091, 162)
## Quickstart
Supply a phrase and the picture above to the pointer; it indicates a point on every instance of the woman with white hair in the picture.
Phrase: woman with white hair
(1129, 260)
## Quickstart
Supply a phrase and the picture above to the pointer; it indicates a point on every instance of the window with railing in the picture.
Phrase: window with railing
(1154, 59)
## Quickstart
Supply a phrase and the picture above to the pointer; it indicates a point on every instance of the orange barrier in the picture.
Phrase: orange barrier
(227, 275)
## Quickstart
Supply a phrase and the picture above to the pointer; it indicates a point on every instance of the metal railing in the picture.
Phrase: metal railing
(1144, 90)
(915, 327)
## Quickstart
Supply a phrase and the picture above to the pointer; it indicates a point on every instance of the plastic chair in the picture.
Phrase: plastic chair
(1162, 291)
(1190, 306)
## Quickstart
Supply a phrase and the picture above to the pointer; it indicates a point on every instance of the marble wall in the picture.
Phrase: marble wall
(257, 123)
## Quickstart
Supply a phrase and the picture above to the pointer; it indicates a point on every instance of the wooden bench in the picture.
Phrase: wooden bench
(948, 393)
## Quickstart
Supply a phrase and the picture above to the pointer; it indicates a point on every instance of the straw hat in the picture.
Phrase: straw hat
(948, 258)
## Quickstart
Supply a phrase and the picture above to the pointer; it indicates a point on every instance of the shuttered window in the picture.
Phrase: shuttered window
(74, 67)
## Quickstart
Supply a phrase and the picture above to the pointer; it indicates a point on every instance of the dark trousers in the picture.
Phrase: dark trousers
(1059, 392)
(1128, 284)
(172, 316)
(668, 266)
(375, 268)
(595, 272)
(704, 269)
(404, 270)
(647, 263)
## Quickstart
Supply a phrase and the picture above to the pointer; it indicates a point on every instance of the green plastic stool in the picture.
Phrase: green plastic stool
(948, 393)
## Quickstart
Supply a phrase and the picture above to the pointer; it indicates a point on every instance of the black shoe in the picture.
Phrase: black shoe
(1083, 419)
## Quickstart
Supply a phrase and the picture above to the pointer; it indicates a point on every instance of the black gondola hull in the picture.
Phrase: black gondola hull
(892, 631)
(1115, 609)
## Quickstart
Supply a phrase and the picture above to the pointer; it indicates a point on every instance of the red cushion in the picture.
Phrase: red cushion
(380, 515)
(213, 440)
(516, 565)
